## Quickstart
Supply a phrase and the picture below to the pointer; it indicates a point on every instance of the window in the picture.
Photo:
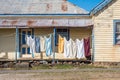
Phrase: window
(117, 33)
(63, 32)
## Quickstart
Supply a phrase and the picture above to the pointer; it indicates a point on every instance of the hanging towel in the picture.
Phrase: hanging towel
(70, 49)
(60, 44)
(42, 44)
(37, 44)
(87, 47)
(80, 48)
(48, 45)
(32, 46)
(74, 49)
(67, 48)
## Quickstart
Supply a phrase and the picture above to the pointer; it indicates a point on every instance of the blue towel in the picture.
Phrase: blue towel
(37, 44)
(48, 45)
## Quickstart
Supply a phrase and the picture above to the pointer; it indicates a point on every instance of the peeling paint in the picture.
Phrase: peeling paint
(14, 22)
(30, 22)
(49, 7)
(64, 7)
(47, 22)
(4, 22)
(39, 7)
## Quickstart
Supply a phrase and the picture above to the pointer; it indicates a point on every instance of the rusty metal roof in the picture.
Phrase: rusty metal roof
(39, 7)
(11, 23)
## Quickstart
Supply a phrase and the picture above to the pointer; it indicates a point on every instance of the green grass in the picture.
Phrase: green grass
(41, 67)
(65, 66)
(58, 66)
(89, 66)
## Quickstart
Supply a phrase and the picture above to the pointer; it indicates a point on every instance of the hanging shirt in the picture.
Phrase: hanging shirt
(74, 49)
(48, 45)
(80, 48)
(60, 44)
(37, 44)
(87, 47)
(42, 44)
(27, 40)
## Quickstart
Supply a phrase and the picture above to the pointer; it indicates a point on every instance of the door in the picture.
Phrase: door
(24, 48)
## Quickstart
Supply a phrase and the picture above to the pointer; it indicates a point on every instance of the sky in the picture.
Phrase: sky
(86, 4)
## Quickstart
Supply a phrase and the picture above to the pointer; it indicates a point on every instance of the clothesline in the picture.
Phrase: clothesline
(14, 34)
(36, 34)
(9, 35)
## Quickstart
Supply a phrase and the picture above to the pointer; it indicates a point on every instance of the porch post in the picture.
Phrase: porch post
(17, 55)
(93, 51)
(54, 45)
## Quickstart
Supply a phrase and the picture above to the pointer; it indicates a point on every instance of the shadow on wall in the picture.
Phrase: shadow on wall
(7, 43)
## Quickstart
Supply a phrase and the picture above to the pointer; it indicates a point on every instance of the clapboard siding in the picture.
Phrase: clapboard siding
(105, 50)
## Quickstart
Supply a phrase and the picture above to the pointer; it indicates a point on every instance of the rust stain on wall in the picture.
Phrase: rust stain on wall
(4, 22)
(49, 6)
(54, 22)
(29, 23)
(13, 22)
(64, 7)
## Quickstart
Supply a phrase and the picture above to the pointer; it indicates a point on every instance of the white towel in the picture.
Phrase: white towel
(80, 48)
(42, 43)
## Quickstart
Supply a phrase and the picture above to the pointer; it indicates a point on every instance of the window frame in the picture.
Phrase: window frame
(63, 31)
(115, 33)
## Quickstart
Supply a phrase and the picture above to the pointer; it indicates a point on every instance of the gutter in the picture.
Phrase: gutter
(12, 15)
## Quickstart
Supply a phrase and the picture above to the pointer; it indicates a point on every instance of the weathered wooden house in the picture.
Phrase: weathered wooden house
(41, 18)
(106, 20)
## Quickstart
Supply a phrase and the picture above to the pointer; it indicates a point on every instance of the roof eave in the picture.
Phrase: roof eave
(100, 7)
(5, 15)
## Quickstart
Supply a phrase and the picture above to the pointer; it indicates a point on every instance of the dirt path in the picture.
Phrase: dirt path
(61, 74)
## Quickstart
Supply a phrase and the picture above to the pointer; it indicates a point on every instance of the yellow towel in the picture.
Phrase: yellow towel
(60, 44)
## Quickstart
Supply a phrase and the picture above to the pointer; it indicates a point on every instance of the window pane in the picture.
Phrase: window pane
(64, 30)
(59, 30)
(23, 50)
(118, 42)
(23, 37)
(118, 27)
(28, 50)
(29, 33)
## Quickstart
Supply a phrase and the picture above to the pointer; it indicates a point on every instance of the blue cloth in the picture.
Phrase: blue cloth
(37, 44)
(48, 45)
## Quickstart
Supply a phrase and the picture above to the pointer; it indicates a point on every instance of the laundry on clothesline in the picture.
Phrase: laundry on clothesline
(75, 49)
(40, 44)
(60, 44)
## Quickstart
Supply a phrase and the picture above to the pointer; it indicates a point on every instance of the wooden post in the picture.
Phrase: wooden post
(54, 45)
(17, 44)
(93, 54)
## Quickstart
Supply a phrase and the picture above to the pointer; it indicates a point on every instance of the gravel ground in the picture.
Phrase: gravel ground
(61, 74)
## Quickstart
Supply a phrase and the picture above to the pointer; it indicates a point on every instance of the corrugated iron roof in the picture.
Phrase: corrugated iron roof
(11, 23)
(39, 7)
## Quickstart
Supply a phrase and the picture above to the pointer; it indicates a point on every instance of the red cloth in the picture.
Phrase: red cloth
(87, 47)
